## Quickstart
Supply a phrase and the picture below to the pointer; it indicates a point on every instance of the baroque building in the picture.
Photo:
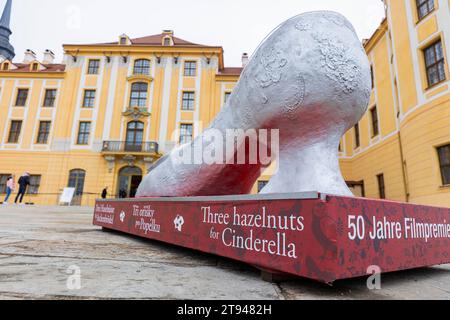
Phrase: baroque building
(110, 110)
(400, 150)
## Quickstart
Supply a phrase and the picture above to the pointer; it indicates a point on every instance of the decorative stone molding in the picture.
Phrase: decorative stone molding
(136, 113)
(124, 61)
(73, 60)
(210, 62)
(129, 159)
(111, 160)
(140, 78)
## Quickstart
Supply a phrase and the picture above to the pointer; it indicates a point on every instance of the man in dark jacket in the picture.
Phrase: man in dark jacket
(24, 182)
(105, 193)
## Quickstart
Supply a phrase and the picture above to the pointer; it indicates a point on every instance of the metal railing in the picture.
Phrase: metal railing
(124, 146)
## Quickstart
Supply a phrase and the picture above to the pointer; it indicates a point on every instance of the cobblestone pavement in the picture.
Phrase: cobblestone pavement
(38, 245)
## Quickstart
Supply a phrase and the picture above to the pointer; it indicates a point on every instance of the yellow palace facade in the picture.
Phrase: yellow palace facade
(109, 111)
(400, 150)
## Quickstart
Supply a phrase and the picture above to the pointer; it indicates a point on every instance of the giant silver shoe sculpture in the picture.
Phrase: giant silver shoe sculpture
(311, 80)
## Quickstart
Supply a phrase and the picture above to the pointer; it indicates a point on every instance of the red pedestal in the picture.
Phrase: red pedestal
(320, 237)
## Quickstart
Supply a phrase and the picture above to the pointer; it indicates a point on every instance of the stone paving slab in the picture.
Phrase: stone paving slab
(116, 279)
(39, 244)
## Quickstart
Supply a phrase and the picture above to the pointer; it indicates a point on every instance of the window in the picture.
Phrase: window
(186, 133)
(357, 139)
(89, 99)
(22, 96)
(5, 66)
(3, 180)
(83, 133)
(44, 131)
(381, 187)
(374, 117)
(188, 101)
(135, 136)
(190, 69)
(444, 160)
(261, 185)
(167, 41)
(227, 96)
(139, 92)
(434, 63)
(14, 131)
(35, 67)
(35, 182)
(77, 178)
(50, 97)
(142, 66)
(123, 40)
(424, 7)
(93, 67)
(372, 77)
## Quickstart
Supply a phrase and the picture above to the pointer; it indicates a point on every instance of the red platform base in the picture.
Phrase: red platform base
(320, 237)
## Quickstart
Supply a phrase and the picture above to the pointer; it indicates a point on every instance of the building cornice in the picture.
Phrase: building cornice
(143, 49)
(32, 75)
(227, 77)
(377, 35)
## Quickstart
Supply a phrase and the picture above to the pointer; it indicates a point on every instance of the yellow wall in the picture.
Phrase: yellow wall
(413, 119)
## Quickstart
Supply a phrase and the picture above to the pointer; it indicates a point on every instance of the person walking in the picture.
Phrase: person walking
(24, 182)
(9, 189)
(105, 193)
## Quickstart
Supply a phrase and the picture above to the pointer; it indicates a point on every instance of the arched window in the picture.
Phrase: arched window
(142, 66)
(139, 92)
(135, 136)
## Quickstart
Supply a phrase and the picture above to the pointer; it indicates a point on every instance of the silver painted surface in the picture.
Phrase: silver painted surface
(311, 80)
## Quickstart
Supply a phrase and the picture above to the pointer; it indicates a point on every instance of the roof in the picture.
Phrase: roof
(157, 40)
(231, 71)
(25, 67)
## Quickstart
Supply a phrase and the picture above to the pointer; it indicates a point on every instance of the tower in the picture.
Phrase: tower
(6, 49)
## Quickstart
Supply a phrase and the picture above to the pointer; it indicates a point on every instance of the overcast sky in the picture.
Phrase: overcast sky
(236, 25)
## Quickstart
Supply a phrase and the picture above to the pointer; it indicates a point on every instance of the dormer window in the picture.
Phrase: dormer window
(167, 38)
(167, 42)
(124, 40)
(5, 66)
(34, 67)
